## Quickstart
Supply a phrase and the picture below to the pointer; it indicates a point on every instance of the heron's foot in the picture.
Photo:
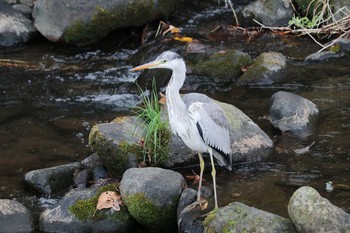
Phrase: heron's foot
(202, 203)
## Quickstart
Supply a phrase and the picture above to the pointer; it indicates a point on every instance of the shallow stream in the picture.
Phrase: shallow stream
(49, 101)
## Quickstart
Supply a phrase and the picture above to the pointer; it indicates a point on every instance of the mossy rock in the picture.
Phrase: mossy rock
(237, 217)
(85, 210)
(117, 143)
(151, 196)
(223, 67)
(268, 68)
(76, 212)
(149, 214)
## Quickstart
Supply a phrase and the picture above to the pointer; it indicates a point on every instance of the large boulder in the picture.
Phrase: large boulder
(15, 217)
(52, 180)
(269, 12)
(312, 213)
(151, 196)
(84, 22)
(75, 212)
(15, 28)
(293, 113)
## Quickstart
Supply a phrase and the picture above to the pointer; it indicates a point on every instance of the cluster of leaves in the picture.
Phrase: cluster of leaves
(156, 132)
(305, 22)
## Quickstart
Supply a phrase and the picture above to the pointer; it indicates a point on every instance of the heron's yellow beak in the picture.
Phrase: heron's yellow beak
(149, 65)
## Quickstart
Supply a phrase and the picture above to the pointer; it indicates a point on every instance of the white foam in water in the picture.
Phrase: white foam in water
(120, 100)
(46, 202)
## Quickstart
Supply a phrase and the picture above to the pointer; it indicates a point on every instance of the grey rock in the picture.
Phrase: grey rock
(60, 219)
(269, 12)
(237, 217)
(312, 213)
(99, 173)
(188, 218)
(84, 22)
(15, 217)
(24, 9)
(267, 69)
(152, 191)
(249, 143)
(52, 180)
(344, 44)
(322, 56)
(92, 161)
(339, 8)
(15, 28)
(293, 113)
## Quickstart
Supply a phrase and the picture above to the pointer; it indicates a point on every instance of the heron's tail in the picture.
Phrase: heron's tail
(224, 160)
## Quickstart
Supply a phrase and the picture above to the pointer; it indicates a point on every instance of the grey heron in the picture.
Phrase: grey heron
(196, 119)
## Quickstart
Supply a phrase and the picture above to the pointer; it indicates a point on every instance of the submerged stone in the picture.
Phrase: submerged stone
(293, 113)
(322, 56)
(268, 68)
(151, 196)
(237, 217)
(312, 213)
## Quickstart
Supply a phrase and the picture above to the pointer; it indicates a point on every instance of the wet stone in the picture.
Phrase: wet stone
(52, 180)
(15, 217)
(268, 68)
(312, 213)
(293, 113)
(188, 218)
(322, 56)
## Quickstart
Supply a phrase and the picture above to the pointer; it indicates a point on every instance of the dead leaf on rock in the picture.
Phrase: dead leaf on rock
(108, 199)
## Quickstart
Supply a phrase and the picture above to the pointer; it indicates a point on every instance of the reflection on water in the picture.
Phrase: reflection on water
(48, 107)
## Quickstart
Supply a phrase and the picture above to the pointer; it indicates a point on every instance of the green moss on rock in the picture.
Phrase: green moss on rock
(114, 156)
(225, 66)
(84, 209)
(149, 214)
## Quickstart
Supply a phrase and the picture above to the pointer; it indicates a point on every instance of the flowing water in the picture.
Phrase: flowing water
(50, 99)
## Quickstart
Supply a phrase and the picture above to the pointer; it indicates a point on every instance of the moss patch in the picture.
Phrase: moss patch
(149, 214)
(208, 220)
(225, 66)
(84, 209)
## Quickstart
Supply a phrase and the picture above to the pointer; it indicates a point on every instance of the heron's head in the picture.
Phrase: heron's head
(166, 60)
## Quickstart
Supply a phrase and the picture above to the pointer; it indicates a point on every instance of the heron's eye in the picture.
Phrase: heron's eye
(163, 61)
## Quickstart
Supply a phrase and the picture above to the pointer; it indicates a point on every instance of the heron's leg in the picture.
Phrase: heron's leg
(201, 165)
(213, 173)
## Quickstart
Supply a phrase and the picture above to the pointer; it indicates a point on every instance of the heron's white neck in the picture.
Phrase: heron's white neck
(176, 107)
